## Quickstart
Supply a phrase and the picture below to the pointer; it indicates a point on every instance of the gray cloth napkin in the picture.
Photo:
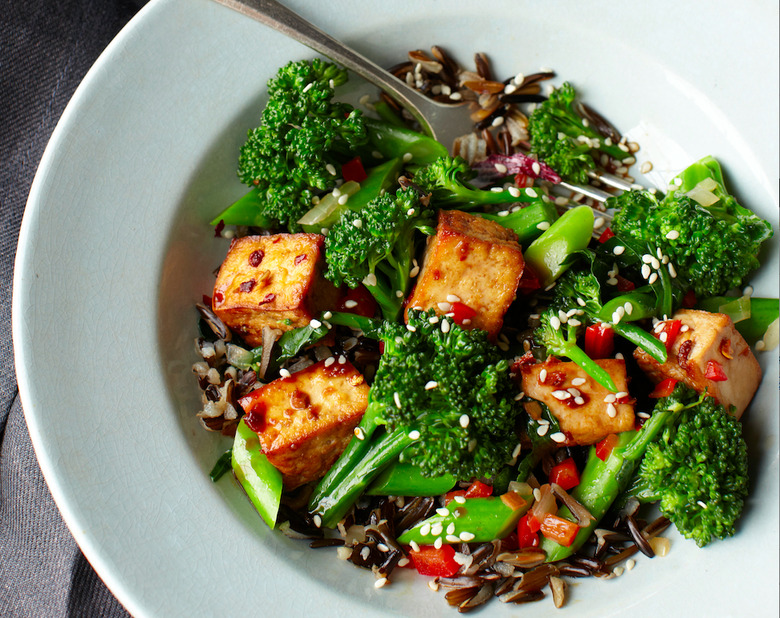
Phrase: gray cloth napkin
(46, 48)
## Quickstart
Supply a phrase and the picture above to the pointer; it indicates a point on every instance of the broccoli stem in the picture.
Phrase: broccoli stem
(394, 141)
(525, 222)
(602, 482)
(380, 452)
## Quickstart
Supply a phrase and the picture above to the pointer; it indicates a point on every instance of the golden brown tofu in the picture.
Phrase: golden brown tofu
(474, 260)
(273, 281)
(586, 411)
(305, 421)
(708, 353)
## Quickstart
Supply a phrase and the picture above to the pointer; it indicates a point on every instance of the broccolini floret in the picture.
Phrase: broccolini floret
(303, 138)
(442, 399)
(376, 246)
(697, 469)
(711, 240)
(564, 139)
(447, 179)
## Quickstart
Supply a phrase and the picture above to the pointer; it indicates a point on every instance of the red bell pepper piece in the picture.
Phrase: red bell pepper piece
(560, 530)
(533, 524)
(714, 372)
(565, 474)
(623, 284)
(357, 301)
(477, 489)
(434, 562)
(354, 170)
(599, 341)
(529, 280)
(604, 448)
(606, 235)
(689, 300)
(522, 181)
(462, 312)
(664, 388)
(672, 329)
(525, 536)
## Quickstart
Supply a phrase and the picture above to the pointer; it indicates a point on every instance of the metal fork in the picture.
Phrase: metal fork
(443, 122)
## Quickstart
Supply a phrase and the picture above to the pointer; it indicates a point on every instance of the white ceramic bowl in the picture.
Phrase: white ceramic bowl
(115, 249)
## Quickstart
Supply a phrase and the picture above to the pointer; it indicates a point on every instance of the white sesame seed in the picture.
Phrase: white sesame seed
(655, 264)
(621, 394)
(653, 278)
(500, 168)
(284, 373)
(643, 414)
(543, 225)
(672, 235)
(414, 545)
(359, 433)
(330, 360)
(519, 396)
(380, 582)
(342, 359)
(561, 395)
(537, 494)
(514, 191)
(616, 317)
(382, 547)
(647, 258)
(451, 528)
(575, 322)
(443, 512)
(445, 326)
(411, 328)
(343, 199)
(460, 499)
(530, 192)
(425, 530)
(407, 157)
(561, 201)
(672, 271)
(542, 430)
(574, 392)
(579, 401)
(581, 302)
(646, 270)
(466, 537)
(414, 434)
(555, 322)
(438, 543)
(760, 345)
(437, 529)
(598, 223)
(628, 307)
(431, 384)
(685, 328)
(611, 410)
(451, 538)
(558, 437)
(611, 398)
(445, 307)
(618, 571)
(370, 280)
(612, 281)
(618, 250)
(433, 584)
(663, 337)
(543, 376)
(349, 304)
(619, 356)
(578, 381)
(630, 564)
(358, 223)
(330, 169)
(452, 298)
(464, 420)
(315, 323)
(701, 504)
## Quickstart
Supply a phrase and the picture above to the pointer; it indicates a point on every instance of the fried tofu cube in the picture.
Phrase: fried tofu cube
(306, 420)
(586, 411)
(708, 353)
(273, 281)
(476, 260)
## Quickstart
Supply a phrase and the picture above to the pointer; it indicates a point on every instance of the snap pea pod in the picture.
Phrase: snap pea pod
(547, 254)
(478, 520)
(405, 479)
(260, 480)
(247, 210)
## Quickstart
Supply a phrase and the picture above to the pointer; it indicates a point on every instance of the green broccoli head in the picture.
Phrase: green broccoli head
(697, 468)
(454, 386)
(712, 241)
(302, 139)
(376, 246)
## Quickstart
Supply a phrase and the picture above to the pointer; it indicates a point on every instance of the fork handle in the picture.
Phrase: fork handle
(280, 18)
